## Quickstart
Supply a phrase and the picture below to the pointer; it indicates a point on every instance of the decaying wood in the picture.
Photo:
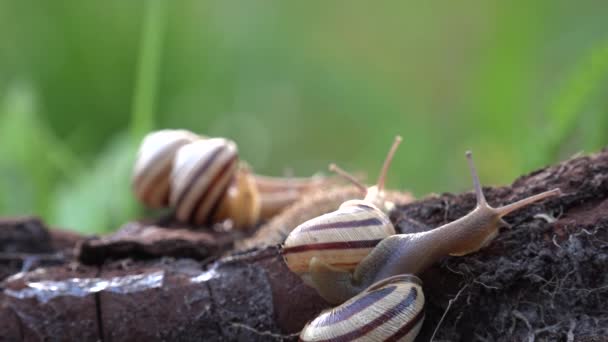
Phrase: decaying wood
(546, 278)
(148, 240)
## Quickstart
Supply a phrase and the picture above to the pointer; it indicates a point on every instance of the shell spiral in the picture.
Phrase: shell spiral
(200, 175)
(150, 177)
(341, 238)
(389, 310)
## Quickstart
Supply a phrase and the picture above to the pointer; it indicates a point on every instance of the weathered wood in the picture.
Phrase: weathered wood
(25, 243)
(149, 240)
(39, 315)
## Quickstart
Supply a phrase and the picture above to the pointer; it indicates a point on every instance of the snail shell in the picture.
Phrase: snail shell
(241, 201)
(389, 310)
(150, 177)
(340, 239)
(200, 176)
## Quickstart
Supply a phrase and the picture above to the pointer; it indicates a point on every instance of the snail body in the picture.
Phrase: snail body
(389, 310)
(150, 177)
(413, 253)
(344, 237)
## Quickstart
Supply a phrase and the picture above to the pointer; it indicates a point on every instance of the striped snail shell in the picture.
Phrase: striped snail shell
(201, 173)
(342, 238)
(241, 202)
(389, 310)
(150, 179)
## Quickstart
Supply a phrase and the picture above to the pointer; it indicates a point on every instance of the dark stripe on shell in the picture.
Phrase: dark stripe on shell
(379, 321)
(366, 207)
(372, 221)
(214, 182)
(410, 278)
(197, 174)
(332, 245)
(144, 174)
(160, 178)
(341, 314)
(216, 206)
(345, 264)
(404, 330)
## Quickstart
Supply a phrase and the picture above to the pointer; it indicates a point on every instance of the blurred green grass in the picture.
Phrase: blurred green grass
(297, 85)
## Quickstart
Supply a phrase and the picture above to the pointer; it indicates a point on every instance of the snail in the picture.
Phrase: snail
(412, 253)
(203, 180)
(150, 179)
(395, 257)
(343, 237)
(389, 310)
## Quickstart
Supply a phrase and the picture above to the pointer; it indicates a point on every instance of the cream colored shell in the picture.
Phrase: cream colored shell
(341, 238)
(150, 178)
(201, 173)
(241, 202)
(389, 310)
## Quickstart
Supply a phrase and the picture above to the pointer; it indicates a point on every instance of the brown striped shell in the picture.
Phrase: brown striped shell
(340, 239)
(241, 201)
(343, 238)
(201, 173)
(150, 177)
(389, 310)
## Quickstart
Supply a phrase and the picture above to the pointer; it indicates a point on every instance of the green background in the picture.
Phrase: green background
(297, 84)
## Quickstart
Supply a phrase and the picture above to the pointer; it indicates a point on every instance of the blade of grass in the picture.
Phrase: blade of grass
(148, 65)
(31, 153)
(566, 111)
(99, 200)
(20, 108)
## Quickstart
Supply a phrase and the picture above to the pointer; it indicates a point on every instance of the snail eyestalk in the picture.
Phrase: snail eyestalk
(335, 168)
(506, 209)
(509, 208)
(481, 199)
(387, 163)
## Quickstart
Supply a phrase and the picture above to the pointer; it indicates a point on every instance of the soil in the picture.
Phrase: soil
(544, 279)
